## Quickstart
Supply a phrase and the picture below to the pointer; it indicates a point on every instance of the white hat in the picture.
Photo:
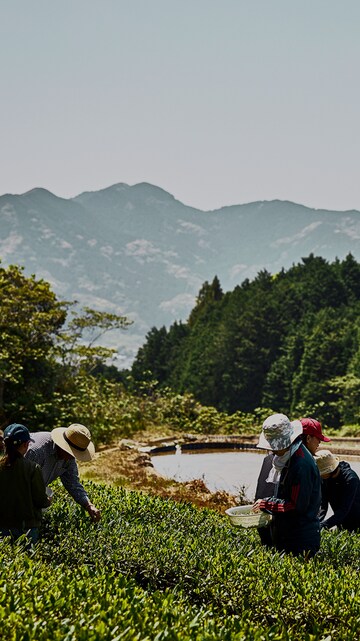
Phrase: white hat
(76, 440)
(326, 462)
(278, 432)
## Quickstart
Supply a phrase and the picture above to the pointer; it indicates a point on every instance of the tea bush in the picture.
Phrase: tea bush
(153, 569)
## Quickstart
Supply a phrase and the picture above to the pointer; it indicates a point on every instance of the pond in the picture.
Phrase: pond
(225, 470)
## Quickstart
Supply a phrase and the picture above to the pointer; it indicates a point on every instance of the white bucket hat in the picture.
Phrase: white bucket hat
(278, 432)
(76, 440)
(326, 462)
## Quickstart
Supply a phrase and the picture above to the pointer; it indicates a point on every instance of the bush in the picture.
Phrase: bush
(155, 569)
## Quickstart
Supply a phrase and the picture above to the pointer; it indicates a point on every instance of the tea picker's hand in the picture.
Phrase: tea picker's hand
(95, 514)
(256, 506)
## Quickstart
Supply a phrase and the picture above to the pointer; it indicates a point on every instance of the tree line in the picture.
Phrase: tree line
(55, 371)
(288, 341)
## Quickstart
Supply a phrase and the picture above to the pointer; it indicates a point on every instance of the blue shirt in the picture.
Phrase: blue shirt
(43, 451)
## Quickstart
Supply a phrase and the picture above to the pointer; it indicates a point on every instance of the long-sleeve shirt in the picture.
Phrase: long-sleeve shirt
(295, 525)
(44, 452)
(342, 492)
(22, 494)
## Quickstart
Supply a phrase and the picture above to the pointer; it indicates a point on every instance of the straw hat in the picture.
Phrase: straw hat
(76, 440)
(278, 432)
(326, 462)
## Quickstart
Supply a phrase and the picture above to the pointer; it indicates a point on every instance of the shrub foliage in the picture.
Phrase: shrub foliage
(157, 570)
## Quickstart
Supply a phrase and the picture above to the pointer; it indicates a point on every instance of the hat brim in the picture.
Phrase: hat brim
(296, 430)
(325, 439)
(57, 435)
(333, 465)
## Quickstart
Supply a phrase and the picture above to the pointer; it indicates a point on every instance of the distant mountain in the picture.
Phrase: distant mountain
(136, 250)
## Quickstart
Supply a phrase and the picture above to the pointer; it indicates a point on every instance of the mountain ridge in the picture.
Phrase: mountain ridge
(155, 187)
(137, 250)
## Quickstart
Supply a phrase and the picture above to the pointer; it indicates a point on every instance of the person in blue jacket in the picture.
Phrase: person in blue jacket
(340, 488)
(295, 501)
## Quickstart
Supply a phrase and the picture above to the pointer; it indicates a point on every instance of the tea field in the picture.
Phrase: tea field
(157, 570)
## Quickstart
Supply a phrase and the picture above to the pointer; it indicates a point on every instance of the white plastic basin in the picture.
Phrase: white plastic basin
(242, 516)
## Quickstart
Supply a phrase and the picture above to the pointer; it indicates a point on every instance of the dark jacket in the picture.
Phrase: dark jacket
(342, 493)
(263, 489)
(22, 494)
(295, 525)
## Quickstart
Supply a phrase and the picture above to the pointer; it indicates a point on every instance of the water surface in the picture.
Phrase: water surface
(225, 470)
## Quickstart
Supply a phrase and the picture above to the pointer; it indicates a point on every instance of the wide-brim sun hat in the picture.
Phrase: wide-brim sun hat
(76, 440)
(278, 432)
(326, 461)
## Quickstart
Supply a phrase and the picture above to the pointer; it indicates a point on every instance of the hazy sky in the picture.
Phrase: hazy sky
(216, 101)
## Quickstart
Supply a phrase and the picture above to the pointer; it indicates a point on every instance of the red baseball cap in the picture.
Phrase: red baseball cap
(313, 427)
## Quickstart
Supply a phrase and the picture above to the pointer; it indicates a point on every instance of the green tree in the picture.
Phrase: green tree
(78, 346)
(208, 295)
(349, 271)
(253, 332)
(30, 320)
(278, 384)
(317, 284)
(39, 359)
(151, 360)
(199, 353)
(345, 392)
(326, 354)
(277, 340)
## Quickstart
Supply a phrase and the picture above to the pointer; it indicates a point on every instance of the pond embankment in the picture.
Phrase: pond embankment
(341, 446)
(128, 463)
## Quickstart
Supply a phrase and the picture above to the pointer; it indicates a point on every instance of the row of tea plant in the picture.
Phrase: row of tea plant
(156, 570)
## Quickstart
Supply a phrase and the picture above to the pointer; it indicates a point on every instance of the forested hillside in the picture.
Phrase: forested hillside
(290, 342)
(53, 372)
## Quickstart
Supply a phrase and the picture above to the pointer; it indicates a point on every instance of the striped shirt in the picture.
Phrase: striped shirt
(42, 450)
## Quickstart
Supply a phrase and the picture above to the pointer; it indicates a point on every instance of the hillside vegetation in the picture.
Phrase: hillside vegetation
(290, 342)
(287, 343)
(156, 570)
